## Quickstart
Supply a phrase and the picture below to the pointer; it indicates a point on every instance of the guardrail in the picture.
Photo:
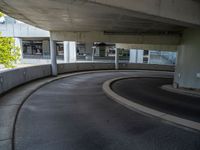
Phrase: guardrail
(16, 77)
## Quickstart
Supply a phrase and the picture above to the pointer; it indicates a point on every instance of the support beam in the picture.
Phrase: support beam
(115, 38)
(53, 58)
(159, 47)
(179, 12)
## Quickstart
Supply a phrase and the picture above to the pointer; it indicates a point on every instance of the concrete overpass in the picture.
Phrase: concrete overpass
(154, 23)
(159, 24)
(72, 111)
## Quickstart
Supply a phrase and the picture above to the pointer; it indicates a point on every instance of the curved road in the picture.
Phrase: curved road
(148, 92)
(74, 114)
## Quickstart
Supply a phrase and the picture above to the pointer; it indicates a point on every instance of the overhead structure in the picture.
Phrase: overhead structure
(159, 24)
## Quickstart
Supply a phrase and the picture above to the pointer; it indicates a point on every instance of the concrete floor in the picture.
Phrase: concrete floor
(74, 114)
(148, 92)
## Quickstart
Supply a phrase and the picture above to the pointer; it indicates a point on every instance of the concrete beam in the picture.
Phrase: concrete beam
(102, 37)
(181, 12)
(127, 17)
(21, 30)
(148, 47)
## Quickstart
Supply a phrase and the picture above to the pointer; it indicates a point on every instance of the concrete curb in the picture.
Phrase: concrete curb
(180, 91)
(146, 110)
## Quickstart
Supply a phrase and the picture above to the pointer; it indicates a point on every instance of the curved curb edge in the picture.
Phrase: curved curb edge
(146, 110)
(46, 81)
(180, 91)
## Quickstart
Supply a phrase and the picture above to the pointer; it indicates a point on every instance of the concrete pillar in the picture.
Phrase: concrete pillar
(53, 58)
(140, 56)
(66, 51)
(93, 54)
(136, 56)
(69, 52)
(116, 59)
(132, 58)
(46, 47)
(89, 50)
(187, 74)
(18, 43)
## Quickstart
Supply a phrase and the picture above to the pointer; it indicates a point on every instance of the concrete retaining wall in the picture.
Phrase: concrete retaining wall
(73, 67)
(126, 66)
(15, 77)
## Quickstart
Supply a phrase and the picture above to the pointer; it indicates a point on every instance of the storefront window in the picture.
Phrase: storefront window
(32, 48)
(59, 48)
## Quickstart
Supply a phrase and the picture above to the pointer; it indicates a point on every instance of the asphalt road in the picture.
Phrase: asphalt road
(148, 92)
(74, 114)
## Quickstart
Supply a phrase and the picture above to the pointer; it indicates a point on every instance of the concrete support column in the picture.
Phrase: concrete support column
(45, 47)
(53, 58)
(89, 51)
(66, 51)
(136, 56)
(116, 59)
(69, 52)
(93, 54)
(18, 43)
(140, 56)
(132, 58)
(187, 74)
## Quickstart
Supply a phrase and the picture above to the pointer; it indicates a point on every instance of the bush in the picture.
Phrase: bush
(9, 53)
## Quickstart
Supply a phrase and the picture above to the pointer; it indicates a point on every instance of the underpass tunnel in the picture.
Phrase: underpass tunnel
(185, 56)
(162, 25)
(118, 75)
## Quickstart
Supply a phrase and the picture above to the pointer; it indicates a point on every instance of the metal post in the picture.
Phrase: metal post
(54, 68)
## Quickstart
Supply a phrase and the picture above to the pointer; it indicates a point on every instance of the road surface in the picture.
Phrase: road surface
(74, 114)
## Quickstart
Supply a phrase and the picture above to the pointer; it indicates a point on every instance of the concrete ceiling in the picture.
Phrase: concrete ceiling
(83, 15)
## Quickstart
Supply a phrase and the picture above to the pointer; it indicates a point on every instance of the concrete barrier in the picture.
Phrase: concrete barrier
(74, 67)
(15, 77)
(126, 66)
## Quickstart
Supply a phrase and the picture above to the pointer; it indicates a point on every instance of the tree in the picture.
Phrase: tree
(9, 53)
(1, 14)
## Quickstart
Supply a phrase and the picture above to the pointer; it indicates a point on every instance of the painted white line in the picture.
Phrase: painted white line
(146, 110)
